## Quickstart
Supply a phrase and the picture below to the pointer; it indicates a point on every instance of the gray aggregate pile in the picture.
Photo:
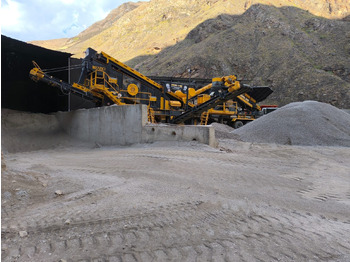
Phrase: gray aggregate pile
(223, 131)
(308, 123)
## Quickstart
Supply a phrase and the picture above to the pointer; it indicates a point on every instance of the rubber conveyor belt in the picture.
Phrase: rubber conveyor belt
(197, 110)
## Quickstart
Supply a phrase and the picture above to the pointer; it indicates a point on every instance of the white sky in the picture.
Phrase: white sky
(28, 20)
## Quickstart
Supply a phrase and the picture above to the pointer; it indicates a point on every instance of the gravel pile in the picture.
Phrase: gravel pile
(302, 123)
(223, 131)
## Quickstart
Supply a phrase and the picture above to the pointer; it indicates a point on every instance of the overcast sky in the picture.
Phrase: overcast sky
(28, 20)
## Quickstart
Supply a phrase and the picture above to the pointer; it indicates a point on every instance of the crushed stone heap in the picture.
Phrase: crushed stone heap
(308, 123)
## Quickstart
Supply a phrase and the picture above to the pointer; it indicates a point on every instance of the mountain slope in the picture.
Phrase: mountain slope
(143, 28)
(70, 44)
(303, 57)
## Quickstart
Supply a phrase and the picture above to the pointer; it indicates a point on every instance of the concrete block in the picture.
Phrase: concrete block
(202, 134)
(125, 125)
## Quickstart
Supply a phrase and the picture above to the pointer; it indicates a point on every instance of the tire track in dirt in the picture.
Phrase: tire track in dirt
(198, 231)
(218, 227)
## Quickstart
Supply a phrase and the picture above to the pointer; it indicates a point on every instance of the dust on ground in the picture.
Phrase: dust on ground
(179, 201)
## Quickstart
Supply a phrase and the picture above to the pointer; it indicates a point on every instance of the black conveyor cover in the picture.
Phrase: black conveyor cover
(260, 93)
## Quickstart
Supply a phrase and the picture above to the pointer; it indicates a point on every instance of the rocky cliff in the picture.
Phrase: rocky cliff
(301, 56)
(292, 46)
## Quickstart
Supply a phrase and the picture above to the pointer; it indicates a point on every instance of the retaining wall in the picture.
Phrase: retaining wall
(125, 125)
(112, 125)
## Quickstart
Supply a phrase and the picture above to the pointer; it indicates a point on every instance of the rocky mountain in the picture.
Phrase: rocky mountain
(291, 46)
(144, 28)
(301, 56)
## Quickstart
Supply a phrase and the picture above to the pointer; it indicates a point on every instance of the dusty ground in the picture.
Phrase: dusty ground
(177, 202)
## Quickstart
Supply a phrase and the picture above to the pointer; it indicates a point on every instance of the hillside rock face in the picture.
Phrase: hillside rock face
(145, 28)
(301, 56)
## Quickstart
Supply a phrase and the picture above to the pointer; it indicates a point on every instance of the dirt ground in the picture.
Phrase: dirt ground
(179, 201)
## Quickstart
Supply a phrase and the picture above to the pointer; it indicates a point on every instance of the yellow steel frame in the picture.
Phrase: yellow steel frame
(36, 73)
(245, 98)
(225, 111)
(138, 99)
(109, 58)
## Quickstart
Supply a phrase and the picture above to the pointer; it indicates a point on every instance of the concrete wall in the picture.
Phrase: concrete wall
(125, 125)
(113, 125)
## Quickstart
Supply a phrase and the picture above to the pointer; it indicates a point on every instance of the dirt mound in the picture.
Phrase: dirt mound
(21, 131)
(302, 123)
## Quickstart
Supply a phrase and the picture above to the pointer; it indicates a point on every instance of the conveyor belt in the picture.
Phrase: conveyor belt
(119, 66)
(65, 87)
(259, 93)
(196, 82)
(197, 110)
